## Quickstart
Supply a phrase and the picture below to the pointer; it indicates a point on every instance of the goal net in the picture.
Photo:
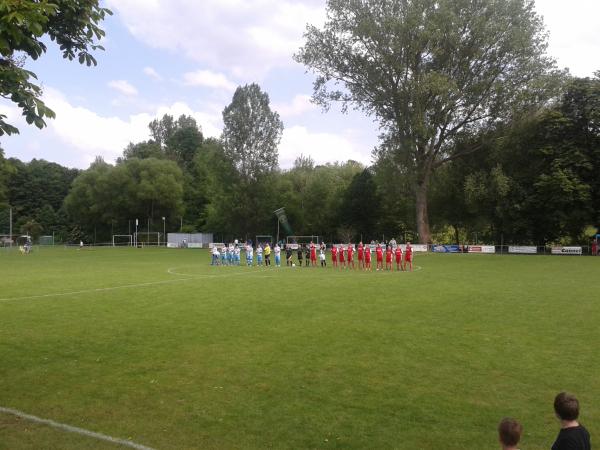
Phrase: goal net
(46, 240)
(147, 238)
(120, 240)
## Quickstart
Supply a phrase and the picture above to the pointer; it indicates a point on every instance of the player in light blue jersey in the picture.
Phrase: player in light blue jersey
(277, 251)
(223, 255)
(237, 252)
(249, 255)
(230, 255)
(259, 255)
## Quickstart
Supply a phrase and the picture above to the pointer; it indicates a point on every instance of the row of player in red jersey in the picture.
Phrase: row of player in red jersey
(343, 256)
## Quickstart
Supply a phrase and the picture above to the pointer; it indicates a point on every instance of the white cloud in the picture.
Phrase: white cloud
(247, 37)
(574, 33)
(124, 87)
(93, 134)
(152, 73)
(321, 147)
(209, 79)
(299, 105)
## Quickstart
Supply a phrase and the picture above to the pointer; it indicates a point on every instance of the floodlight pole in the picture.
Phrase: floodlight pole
(164, 231)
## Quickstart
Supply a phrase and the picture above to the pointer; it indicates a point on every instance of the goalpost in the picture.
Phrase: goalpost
(122, 240)
(142, 238)
(46, 240)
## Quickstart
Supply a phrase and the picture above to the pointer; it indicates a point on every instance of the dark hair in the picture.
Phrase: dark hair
(509, 431)
(566, 406)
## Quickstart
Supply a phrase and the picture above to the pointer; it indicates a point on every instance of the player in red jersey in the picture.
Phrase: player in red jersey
(350, 256)
(379, 253)
(341, 257)
(368, 257)
(361, 256)
(408, 256)
(313, 254)
(388, 258)
(334, 255)
(398, 258)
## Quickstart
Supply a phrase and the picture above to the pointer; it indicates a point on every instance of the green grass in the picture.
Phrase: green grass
(294, 358)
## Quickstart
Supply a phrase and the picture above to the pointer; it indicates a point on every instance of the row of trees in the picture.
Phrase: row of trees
(480, 133)
(533, 180)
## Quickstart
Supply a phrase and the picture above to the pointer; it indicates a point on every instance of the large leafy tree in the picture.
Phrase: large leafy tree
(251, 132)
(24, 26)
(361, 205)
(136, 188)
(429, 70)
(4, 173)
(180, 139)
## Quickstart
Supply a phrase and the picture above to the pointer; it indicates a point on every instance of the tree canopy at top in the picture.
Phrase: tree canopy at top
(72, 24)
(429, 70)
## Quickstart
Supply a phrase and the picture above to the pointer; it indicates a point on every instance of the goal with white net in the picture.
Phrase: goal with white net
(46, 240)
(121, 240)
(143, 238)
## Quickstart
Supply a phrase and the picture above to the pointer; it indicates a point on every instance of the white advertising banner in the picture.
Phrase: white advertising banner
(417, 248)
(567, 250)
(482, 249)
(525, 249)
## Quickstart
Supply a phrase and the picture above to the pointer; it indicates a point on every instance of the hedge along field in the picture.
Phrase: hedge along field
(158, 347)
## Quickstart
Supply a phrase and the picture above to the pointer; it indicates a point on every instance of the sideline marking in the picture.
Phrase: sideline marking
(72, 429)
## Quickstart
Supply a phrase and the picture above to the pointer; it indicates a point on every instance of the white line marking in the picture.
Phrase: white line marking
(126, 286)
(72, 429)
(87, 291)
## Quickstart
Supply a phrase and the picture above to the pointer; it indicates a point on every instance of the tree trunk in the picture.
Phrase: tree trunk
(422, 214)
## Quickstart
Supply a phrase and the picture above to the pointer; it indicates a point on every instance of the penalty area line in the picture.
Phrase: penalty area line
(72, 429)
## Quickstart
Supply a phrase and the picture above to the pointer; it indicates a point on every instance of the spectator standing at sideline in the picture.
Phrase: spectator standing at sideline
(509, 433)
(572, 435)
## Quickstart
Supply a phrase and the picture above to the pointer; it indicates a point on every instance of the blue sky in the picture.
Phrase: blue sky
(187, 57)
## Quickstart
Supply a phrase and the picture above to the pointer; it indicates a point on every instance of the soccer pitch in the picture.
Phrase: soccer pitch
(157, 347)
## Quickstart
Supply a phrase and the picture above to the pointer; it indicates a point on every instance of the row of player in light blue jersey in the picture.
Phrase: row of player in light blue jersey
(229, 255)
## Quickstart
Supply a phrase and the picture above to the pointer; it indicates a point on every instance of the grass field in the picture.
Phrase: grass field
(159, 347)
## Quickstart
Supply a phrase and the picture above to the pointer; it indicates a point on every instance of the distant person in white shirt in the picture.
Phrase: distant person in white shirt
(215, 256)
